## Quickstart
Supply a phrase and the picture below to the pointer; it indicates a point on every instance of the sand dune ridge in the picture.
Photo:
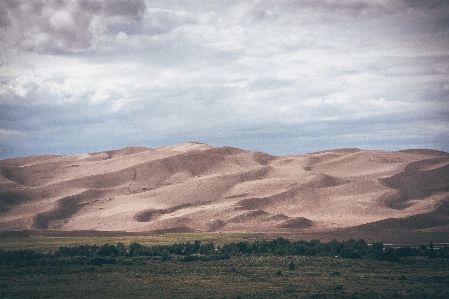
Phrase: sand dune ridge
(198, 187)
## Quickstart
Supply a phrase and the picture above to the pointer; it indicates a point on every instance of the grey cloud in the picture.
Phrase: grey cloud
(64, 25)
(377, 133)
(4, 21)
(281, 77)
(352, 8)
(74, 26)
(322, 9)
(419, 65)
(428, 4)
(268, 83)
(160, 21)
(131, 8)
(330, 11)
(151, 117)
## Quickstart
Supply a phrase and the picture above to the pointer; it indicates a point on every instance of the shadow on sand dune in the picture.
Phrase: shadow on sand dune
(415, 182)
(65, 207)
(437, 218)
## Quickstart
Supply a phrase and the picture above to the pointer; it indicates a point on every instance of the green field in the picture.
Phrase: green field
(240, 276)
(46, 244)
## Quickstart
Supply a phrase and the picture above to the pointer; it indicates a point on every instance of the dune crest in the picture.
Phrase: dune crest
(194, 187)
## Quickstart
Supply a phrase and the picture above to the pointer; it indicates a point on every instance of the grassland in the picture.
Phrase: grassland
(45, 244)
(245, 276)
(242, 277)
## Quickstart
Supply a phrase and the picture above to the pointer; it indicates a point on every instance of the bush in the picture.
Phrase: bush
(350, 253)
(192, 258)
(404, 252)
(292, 266)
(389, 255)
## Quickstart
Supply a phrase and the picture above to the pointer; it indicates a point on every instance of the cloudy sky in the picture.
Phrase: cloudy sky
(281, 77)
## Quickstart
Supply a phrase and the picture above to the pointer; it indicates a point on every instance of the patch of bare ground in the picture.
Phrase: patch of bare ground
(198, 187)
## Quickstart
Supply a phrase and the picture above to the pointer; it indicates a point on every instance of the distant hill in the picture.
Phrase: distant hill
(194, 187)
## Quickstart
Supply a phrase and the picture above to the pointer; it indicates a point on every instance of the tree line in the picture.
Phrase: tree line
(112, 254)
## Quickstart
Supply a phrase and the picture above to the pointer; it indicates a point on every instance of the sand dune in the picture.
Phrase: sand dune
(197, 187)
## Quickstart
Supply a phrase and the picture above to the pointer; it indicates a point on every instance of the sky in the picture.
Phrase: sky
(281, 77)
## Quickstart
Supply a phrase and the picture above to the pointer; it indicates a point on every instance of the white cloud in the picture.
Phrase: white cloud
(165, 72)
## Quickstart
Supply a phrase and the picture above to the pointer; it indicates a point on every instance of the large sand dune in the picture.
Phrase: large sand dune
(197, 187)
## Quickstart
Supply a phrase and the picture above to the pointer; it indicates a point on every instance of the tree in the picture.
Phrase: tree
(377, 246)
(121, 249)
(350, 253)
(107, 250)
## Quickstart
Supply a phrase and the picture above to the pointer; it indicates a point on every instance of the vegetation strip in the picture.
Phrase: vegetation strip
(207, 251)
(278, 268)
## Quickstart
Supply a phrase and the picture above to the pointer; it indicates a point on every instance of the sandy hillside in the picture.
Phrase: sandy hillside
(197, 187)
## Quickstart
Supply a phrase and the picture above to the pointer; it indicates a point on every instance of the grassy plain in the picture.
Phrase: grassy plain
(45, 244)
(239, 277)
(242, 277)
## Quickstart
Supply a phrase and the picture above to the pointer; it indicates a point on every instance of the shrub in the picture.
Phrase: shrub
(350, 253)
(389, 255)
(292, 266)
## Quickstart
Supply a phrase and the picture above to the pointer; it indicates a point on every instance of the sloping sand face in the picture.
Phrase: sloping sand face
(197, 187)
